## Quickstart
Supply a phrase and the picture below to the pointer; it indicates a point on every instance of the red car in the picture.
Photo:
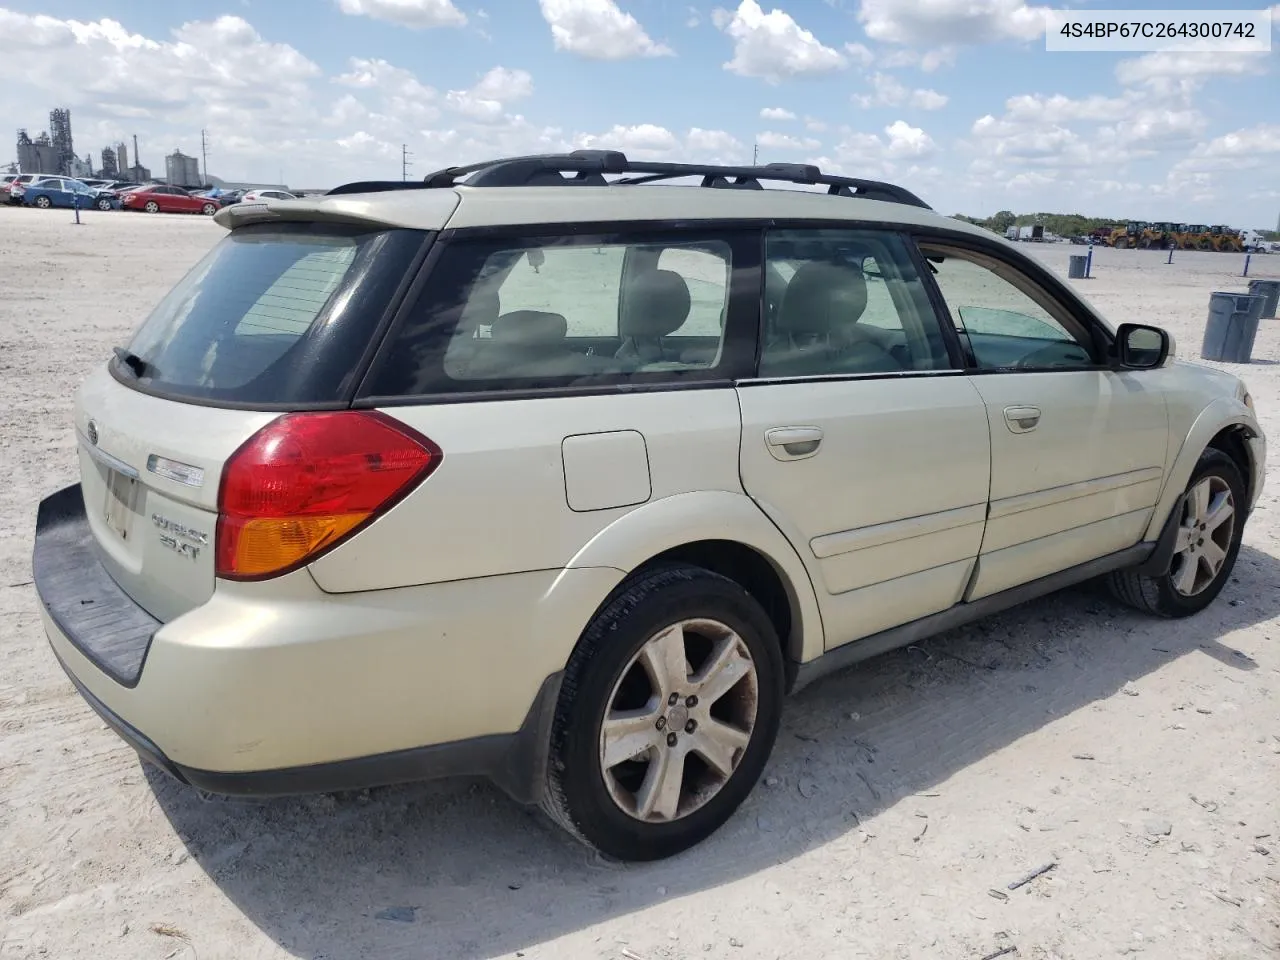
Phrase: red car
(158, 198)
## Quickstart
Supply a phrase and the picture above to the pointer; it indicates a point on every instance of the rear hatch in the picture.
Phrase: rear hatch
(276, 317)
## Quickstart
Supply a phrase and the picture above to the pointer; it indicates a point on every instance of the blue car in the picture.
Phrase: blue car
(65, 192)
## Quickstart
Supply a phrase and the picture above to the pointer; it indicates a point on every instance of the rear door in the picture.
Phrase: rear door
(861, 437)
(569, 378)
(276, 317)
(1077, 448)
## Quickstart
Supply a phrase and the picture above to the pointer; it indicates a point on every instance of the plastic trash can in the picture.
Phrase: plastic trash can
(1269, 290)
(1231, 327)
(1075, 267)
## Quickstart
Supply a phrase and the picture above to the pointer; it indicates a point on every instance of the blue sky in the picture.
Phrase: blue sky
(956, 99)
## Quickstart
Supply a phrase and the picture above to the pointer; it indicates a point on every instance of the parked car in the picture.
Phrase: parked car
(17, 186)
(160, 198)
(223, 198)
(618, 467)
(259, 195)
(5, 180)
(66, 192)
(117, 186)
(93, 182)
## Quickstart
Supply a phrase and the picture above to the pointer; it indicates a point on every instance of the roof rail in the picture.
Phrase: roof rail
(589, 167)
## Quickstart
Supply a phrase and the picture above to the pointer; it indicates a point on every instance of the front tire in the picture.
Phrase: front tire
(151, 207)
(103, 204)
(668, 711)
(44, 203)
(1210, 528)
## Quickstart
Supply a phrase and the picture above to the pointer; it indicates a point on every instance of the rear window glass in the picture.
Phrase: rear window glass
(275, 314)
(565, 312)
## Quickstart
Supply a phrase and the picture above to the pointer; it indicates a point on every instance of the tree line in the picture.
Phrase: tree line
(1062, 224)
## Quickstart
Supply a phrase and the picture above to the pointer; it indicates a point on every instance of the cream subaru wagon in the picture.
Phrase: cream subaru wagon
(566, 470)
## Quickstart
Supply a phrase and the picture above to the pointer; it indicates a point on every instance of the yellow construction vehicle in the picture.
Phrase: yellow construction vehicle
(1193, 236)
(1129, 236)
(1226, 240)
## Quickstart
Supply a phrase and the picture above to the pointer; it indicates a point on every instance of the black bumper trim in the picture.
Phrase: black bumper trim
(516, 762)
(97, 617)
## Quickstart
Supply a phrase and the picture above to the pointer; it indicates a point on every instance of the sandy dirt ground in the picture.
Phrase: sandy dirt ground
(1140, 757)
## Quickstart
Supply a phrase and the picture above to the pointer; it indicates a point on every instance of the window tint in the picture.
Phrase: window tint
(564, 312)
(274, 313)
(846, 302)
(992, 306)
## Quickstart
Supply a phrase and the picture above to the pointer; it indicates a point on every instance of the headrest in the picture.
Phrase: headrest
(657, 304)
(823, 297)
(529, 328)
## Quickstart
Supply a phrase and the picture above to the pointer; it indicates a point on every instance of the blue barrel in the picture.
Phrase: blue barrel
(1231, 327)
(1269, 290)
(1075, 266)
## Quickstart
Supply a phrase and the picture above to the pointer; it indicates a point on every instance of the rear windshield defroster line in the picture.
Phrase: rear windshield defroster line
(277, 315)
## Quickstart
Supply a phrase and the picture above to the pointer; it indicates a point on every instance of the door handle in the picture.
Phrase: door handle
(793, 443)
(1021, 419)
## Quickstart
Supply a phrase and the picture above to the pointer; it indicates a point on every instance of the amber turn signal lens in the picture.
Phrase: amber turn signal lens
(306, 481)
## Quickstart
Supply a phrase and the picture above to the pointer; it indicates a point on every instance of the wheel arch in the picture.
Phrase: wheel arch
(1225, 425)
(727, 534)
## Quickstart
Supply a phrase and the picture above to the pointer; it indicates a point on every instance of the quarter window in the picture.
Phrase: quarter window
(846, 302)
(1002, 314)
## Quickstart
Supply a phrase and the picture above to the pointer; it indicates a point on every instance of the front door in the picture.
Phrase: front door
(861, 437)
(1077, 449)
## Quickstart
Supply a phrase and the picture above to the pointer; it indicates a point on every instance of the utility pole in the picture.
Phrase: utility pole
(755, 154)
(136, 161)
(204, 155)
(404, 161)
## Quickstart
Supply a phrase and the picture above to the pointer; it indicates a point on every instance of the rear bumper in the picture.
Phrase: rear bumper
(279, 688)
(515, 762)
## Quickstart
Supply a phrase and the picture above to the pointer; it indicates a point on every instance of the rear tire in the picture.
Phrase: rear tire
(1205, 551)
(209, 209)
(643, 789)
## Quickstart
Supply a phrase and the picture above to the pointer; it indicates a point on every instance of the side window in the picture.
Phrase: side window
(566, 311)
(846, 302)
(1003, 315)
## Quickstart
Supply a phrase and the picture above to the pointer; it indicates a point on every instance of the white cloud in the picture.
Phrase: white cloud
(1249, 142)
(772, 46)
(398, 97)
(860, 54)
(1167, 66)
(713, 146)
(648, 141)
(598, 30)
(785, 141)
(896, 154)
(814, 125)
(887, 91)
(407, 13)
(209, 72)
(928, 60)
(950, 22)
(486, 101)
(776, 113)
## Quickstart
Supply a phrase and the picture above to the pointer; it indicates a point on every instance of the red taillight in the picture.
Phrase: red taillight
(307, 481)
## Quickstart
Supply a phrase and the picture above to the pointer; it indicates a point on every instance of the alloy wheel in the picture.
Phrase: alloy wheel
(1204, 536)
(679, 720)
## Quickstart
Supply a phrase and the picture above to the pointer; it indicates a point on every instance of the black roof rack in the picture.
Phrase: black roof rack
(589, 167)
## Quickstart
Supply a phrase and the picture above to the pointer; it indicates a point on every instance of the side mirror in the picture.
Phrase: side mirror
(1141, 347)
